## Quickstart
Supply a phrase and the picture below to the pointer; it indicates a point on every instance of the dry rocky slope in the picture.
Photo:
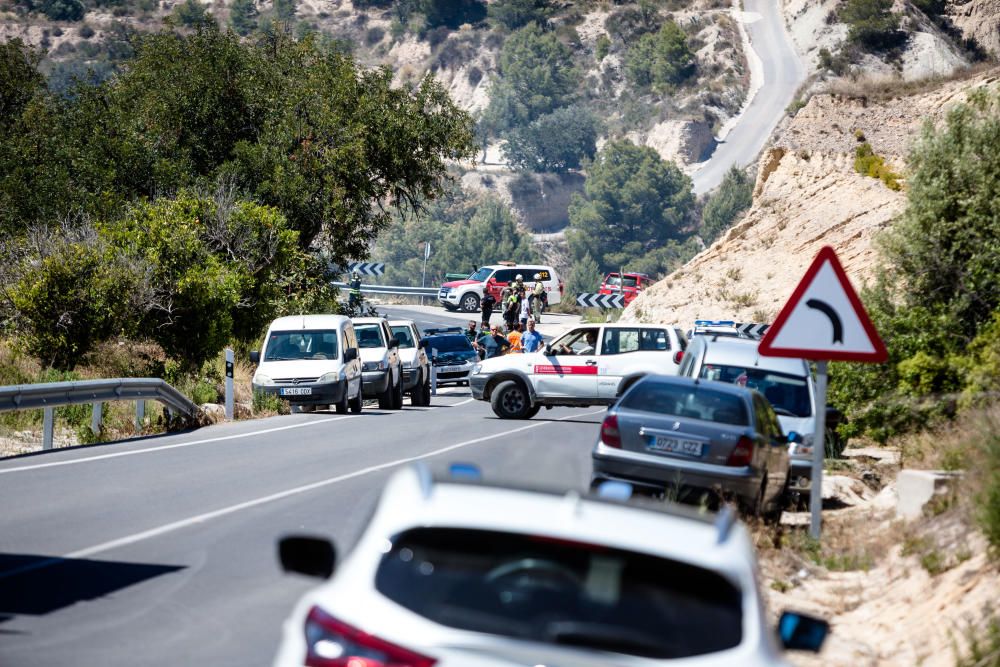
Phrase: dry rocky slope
(807, 196)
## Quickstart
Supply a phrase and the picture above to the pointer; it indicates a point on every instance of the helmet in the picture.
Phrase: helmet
(538, 276)
(355, 275)
(519, 277)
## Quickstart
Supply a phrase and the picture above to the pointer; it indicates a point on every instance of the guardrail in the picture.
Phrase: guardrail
(50, 395)
(392, 289)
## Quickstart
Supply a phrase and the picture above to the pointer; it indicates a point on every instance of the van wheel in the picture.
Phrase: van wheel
(470, 302)
(341, 406)
(357, 403)
(510, 400)
(421, 394)
(397, 396)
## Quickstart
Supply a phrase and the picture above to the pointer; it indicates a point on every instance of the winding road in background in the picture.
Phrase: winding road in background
(782, 74)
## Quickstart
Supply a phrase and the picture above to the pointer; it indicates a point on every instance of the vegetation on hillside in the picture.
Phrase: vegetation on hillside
(204, 190)
(724, 206)
(936, 303)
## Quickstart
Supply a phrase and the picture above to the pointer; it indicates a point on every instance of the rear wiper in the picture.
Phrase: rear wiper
(609, 638)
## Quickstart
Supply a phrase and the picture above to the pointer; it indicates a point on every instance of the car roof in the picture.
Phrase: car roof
(400, 323)
(368, 320)
(683, 380)
(744, 352)
(318, 321)
(413, 498)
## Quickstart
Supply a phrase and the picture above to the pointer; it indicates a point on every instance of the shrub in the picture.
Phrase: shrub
(192, 13)
(868, 163)
(735, 195)
(514, 14)
(660, 60)
(264, 402)
(555, 142)
(86, 32)
(872, 24)
(374, 35)
(602, 47)
(63, 10)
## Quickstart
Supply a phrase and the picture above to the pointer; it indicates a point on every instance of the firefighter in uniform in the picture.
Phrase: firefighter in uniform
(355, 285)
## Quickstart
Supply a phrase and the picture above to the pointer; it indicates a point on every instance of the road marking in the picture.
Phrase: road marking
(150, 450)
(208, 516)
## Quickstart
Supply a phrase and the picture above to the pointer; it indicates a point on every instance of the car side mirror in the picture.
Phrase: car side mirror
(801, 632)
(254, 357)
(311, 556)
(393, 342)
(350, 354)
(548, 350)
(424, 343)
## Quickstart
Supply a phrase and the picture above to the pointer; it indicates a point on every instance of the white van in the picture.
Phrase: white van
(310, 361)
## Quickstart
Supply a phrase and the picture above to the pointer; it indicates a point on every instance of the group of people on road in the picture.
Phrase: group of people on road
(491, 340)
(517, 303)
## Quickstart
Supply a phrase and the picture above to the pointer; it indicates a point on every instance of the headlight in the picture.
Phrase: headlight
(373, 366)
(445, 290)
(476, 368)
(262, 380)
(336, 376)
(804, 447)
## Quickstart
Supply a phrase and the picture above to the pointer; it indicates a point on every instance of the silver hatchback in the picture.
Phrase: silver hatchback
(693, 436)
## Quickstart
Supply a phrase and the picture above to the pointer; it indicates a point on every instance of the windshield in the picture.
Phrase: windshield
(287, 345)
(482, 274)
(615, 281)
(561, 592)
(369, 335)
(404, 335)
(697, 402)
(789, 394)
(450, 343)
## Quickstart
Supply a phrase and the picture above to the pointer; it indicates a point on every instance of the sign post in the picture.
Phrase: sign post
(823, 320)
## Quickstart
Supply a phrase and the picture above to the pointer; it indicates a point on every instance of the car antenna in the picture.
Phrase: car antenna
(724, 523)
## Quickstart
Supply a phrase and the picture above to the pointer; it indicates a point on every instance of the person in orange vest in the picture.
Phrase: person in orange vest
(514, 337)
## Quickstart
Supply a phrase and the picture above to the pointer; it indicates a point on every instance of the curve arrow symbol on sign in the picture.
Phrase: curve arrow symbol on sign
(826, 309)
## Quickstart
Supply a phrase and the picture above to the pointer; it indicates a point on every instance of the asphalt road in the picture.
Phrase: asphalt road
(782, 73)
(161, 551)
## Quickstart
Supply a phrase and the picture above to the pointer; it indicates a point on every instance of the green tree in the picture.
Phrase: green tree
(451, 13)
(284, 10)
(661, 59)
(555, 142)
(633, 203)
(536, 75)
(584, 277)
(63, 10)
(514, 14)
(873, 24)
(20, 80)
(243, 16)
(735, 195)
(192, 13)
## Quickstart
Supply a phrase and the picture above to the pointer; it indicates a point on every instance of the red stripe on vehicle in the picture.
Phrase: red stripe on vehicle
(548, 369)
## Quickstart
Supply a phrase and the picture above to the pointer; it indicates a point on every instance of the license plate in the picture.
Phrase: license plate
(452, 369)
(675, 446)
(296, 391)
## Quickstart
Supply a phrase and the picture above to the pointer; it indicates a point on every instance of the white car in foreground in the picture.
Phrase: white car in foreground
(460, 574)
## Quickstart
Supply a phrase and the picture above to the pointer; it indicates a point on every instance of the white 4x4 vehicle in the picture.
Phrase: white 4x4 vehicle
(466, 294)
(589, 365)
(381, 369)
(416, 365)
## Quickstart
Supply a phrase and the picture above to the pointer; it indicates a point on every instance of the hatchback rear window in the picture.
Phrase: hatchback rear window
(561, 592)
(695, 401)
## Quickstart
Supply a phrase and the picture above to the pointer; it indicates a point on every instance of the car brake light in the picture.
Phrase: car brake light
(562, 286)
(742, 453)
(609, 432)
(678, 355)
(332, 643)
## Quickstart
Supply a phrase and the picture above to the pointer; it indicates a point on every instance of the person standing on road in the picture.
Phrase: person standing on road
(514, 337)
(487, 306)
(537, 294)
(354, 300)
(518, 284)
(471, 332)
(525, 311)
(531, 340)
(492, 343)
(512, 309)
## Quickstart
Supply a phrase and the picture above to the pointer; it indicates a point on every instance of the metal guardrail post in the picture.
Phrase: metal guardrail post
(140, 413)
(96, 415)
(48, 426)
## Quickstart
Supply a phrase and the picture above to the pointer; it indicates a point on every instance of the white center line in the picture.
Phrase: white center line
(207, 516)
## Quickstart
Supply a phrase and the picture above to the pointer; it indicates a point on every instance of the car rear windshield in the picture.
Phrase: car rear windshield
(561, 592)
(789, 394)
(369, 335)
(450, 343)
(288, 345)
(695, 401)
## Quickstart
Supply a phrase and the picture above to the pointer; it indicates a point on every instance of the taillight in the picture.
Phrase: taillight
(562, 286)
(609, 432)
(742, 453)
(678, 355)
(332, 643)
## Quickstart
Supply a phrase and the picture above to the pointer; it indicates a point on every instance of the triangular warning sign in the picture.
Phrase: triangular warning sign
(824, 319)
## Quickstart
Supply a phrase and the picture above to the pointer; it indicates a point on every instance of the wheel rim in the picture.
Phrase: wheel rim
(512, 401)
(469, 303)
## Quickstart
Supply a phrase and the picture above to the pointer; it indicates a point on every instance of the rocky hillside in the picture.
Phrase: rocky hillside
(807, 195)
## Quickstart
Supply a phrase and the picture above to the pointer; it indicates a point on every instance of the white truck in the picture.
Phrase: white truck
(590, 365)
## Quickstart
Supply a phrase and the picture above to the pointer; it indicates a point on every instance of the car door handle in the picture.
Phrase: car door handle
(591, 363)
